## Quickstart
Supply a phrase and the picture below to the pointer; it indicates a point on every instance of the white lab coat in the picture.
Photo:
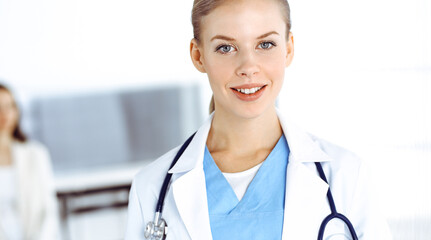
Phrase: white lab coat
(306, 204)
(36, 198)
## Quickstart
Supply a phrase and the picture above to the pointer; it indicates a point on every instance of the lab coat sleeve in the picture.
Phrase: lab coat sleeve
(49, 225)
(135, 223)
(365, 210)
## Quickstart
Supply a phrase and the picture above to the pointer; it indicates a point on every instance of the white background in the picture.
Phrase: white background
(361, 76)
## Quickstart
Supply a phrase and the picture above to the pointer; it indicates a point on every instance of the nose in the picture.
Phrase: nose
(248, 66)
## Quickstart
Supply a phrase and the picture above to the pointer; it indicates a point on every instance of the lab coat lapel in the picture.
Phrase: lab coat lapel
(30, 203)
(306, 204)
(22, 188)
(189, 188)
(191, 200)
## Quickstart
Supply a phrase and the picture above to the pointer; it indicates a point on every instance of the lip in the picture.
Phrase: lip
(249, 97)
(250, 85)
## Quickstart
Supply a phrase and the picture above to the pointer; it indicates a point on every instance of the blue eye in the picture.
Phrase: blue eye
(266, 45)
(224, 49)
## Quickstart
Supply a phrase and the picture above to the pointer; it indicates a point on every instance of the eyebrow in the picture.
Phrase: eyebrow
(222, 37)
(267, 34)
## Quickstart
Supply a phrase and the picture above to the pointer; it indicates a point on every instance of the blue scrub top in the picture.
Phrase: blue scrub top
(259, 214)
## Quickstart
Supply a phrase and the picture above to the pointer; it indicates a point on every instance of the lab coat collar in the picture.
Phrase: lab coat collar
(194, 154)
(303, 185)
(301, 145)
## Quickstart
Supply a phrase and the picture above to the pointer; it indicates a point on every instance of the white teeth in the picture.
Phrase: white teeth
(249, 90)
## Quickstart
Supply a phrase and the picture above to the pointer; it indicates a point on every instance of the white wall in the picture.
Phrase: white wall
(361, 76)
(62, 46)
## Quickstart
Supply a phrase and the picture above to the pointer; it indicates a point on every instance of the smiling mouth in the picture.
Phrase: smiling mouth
(249, 91)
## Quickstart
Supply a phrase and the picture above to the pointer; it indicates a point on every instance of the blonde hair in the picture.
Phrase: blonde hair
(201, 8)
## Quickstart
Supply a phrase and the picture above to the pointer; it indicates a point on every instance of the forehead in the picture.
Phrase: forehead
(244, 18)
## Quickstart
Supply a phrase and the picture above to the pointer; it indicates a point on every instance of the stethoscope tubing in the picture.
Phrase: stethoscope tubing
(334, 213)
(164, 189)
(339, 216)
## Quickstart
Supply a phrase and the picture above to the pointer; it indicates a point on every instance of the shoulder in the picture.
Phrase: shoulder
(334, 150)
(146, 187)
(345, 172)
(32, 154)
(350, 186)
(308, 148)
(31, 147)
(34, 165)
(153, 174)
(340, 157)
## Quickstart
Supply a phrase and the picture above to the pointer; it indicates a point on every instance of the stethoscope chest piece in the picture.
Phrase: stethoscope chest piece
(156, 230)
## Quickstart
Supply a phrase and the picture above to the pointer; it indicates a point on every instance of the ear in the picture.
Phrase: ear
(197, 56)
(289, 49)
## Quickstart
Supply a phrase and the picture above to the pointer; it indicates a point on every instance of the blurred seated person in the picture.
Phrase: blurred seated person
(28, 209)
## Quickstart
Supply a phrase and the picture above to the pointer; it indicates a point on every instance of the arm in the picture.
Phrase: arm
(365, 211)
(49, 228)
(135, 223)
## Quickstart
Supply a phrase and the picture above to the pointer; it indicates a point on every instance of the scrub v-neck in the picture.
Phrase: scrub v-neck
(259, 214)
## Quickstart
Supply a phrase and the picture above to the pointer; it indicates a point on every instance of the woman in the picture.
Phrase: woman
(248, 173)
(27, 198)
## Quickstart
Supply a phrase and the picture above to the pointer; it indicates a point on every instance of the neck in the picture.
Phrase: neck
(5, 140)
(244, 136)
(5, 149)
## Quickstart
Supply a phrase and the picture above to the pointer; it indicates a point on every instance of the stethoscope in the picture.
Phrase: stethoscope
(157, 229)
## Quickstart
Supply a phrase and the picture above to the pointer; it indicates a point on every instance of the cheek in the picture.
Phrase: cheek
(275, 66)
(9, 119)
(13, 117)
(219, 70)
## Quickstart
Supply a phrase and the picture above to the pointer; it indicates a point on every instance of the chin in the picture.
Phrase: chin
(253, 111)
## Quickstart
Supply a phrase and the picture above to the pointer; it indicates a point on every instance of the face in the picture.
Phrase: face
(8, 113)
(244, 50)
